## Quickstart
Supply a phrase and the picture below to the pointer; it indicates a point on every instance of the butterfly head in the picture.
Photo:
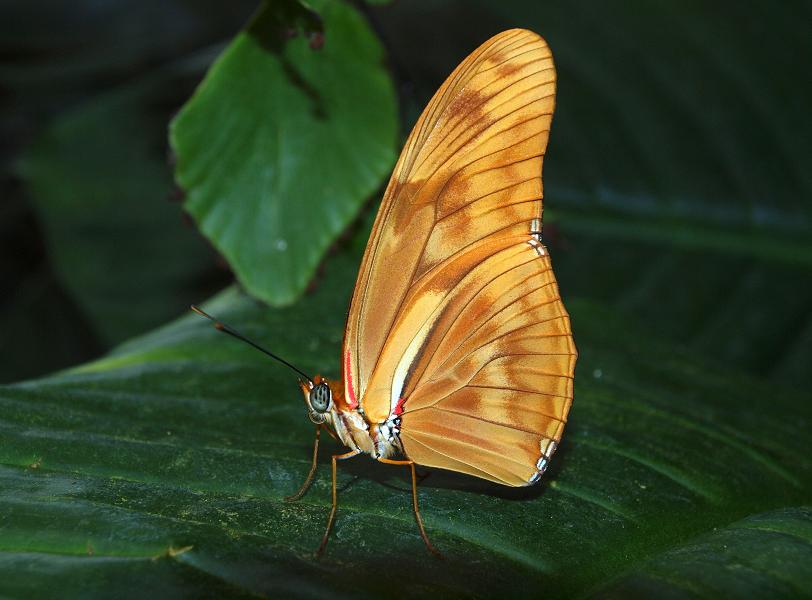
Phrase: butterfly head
(318, 397)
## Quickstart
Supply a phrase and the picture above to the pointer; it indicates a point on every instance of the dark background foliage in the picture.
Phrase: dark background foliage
(677, 212)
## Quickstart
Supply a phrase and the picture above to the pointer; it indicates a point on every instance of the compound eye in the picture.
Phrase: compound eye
(320, 397)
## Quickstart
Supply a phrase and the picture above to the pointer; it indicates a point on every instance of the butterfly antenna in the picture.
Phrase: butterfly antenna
(220, 326)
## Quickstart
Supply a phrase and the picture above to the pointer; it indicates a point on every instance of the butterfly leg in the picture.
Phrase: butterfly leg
(303, 489)
(336, 457)
(417, 517)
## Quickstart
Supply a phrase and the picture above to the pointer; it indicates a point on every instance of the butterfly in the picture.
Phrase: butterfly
(458, 351)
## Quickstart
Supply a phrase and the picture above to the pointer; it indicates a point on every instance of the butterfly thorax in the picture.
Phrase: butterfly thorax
(348, 424)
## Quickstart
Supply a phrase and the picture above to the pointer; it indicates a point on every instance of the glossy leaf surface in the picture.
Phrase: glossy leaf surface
(182, 444)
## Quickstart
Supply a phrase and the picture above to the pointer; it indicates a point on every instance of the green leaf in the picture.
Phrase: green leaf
(65, 65)
(676, 186)
(186, 439)
(42, 328)
(281, 144)
(767, 556)
(47, 70)
(99, 180)
(676, 174)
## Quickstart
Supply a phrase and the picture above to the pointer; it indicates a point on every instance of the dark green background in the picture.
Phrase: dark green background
(678, 216)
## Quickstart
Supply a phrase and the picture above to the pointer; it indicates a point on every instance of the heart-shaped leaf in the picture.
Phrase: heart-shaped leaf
(282, 143)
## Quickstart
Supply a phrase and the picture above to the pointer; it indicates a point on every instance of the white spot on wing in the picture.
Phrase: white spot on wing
(538, 247)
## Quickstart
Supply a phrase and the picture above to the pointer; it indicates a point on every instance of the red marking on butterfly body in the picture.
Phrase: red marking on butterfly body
(352, 402)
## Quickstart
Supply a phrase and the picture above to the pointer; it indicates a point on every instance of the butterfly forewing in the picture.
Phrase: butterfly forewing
(456, 319)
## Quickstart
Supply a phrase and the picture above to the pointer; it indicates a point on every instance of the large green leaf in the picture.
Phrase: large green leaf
(167, 463)
(282, 143)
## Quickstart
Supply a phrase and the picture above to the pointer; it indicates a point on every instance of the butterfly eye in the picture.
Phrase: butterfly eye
(320, 397)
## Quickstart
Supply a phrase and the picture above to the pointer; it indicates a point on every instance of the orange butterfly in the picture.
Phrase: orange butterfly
(458, 351)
